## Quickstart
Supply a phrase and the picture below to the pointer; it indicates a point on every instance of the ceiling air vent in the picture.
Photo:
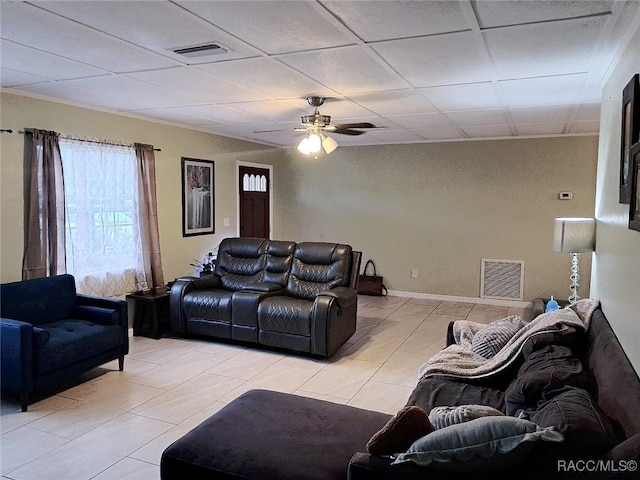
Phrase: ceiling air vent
(201, 50)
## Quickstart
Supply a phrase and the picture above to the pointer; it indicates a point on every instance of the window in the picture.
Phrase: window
(103, 239)
(254, 183)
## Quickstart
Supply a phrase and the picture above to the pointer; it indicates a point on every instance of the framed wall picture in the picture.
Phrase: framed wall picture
(630, 134)
(634, 204)
(197, 197)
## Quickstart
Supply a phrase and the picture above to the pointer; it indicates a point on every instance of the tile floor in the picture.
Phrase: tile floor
(115, 425)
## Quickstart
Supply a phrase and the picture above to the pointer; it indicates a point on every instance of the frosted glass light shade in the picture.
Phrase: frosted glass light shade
(574, 235)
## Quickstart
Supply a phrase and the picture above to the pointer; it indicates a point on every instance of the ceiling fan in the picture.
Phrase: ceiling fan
(316, 125)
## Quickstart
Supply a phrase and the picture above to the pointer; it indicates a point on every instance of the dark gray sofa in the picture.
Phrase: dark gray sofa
(273, 436)
(297, 296)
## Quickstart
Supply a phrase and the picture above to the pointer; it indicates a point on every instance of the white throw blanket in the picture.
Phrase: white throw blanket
(460, 361)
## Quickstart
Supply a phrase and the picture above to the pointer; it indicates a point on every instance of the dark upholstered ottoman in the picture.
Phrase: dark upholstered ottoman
(264, 435)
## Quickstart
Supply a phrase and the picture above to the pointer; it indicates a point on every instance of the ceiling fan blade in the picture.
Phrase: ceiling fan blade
(347, 131)
(355, 125)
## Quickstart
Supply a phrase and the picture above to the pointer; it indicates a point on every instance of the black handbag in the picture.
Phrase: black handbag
(371, 284)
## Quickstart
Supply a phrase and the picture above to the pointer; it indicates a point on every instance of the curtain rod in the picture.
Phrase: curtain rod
(71, 138)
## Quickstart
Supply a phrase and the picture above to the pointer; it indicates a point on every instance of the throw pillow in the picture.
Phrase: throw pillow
(441, 417)
(406, 426)
(486, 444)
(490, 339)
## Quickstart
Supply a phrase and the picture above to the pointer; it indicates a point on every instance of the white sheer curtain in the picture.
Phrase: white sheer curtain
(103, 241)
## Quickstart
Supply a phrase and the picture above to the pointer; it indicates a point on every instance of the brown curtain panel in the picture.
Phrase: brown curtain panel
(44, 253)
(149, 215)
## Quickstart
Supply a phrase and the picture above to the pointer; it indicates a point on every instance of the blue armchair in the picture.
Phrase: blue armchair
(49, 333)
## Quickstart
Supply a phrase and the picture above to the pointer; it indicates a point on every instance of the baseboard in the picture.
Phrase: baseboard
(453, 298)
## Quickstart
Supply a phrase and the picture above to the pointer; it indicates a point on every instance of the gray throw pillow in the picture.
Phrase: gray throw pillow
(441, 417)
(490, 339)
(486, 444)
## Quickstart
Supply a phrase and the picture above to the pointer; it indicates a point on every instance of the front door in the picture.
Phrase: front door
(254, 190)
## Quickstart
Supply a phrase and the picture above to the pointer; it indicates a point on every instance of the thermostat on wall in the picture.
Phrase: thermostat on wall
(565, 195)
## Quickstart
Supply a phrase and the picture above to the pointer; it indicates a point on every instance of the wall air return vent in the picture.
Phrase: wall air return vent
(201, 50)
(502, 279)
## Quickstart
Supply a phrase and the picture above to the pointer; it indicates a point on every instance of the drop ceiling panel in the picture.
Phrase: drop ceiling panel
(159, 26)
(267, 76)
(588, 111)
(549, 113)
(441, 133)
(199, 84)
(42, 64)
(559, 90)
(174, 115)
(439, 60)
(220, 114)
(273, 110)
(588, 126)
(32, 26)
(541, 128)
(395, 136)
(11, 78)
(546, 49)
(421, 120)
(479, 117)
(346, 70)
(476, 96)
(494, 131)
(144, 94)
(370, 20)
(493, 14)
(273, 26)
(394, 102)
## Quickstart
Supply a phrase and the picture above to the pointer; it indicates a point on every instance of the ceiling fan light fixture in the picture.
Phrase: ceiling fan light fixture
(329, 144)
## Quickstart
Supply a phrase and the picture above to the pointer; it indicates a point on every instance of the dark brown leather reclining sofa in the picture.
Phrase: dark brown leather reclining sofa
(297, 296)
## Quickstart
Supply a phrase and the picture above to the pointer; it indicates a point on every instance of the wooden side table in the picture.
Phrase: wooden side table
(150, 308)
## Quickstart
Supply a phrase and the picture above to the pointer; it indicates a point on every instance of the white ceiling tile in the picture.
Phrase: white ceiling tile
(144, 94)
(36, 62)
(159, 26)
(545, 114)
(268, 76)
(11, 78)
(175, 115)
(394, 102)
(588, 111)
(370, 20)
(274, 26)
(343, 110)
(560, 90)
(346, 70)
(421, 120)
(478, 117)
(199, 85)
(488, 131)
(541, 128)
(439, 60)
(587, 126)
(395, 135)
(274, 110)
(31, 26)
(220, 114)
(543, 49)
(440, 133)
(75, 94)
(475, 96)
(514, 12)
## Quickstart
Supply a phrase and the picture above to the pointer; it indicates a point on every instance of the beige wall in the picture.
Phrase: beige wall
(616, 273)
(20, 112)
(440, 208)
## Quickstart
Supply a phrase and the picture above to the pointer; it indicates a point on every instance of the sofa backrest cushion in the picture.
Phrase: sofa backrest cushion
(279, 258)
(240, 261)
(40, 300)
(318, 266)
(617, 386)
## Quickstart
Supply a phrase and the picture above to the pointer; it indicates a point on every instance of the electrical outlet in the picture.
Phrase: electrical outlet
(226, 221)
(414, 273)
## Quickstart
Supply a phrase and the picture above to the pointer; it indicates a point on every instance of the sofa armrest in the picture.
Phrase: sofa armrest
(97, 304)
(16, 347)
(103, 316)
(345, 296)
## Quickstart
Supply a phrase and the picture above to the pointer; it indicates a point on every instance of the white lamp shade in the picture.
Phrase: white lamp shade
(574, 235)
(329, 144)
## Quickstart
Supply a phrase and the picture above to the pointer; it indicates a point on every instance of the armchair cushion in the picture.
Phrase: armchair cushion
(285, 315)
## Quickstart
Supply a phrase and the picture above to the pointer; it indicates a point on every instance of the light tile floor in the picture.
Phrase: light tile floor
(114, 425)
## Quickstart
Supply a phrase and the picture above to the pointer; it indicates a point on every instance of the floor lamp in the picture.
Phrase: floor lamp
(574, 236)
